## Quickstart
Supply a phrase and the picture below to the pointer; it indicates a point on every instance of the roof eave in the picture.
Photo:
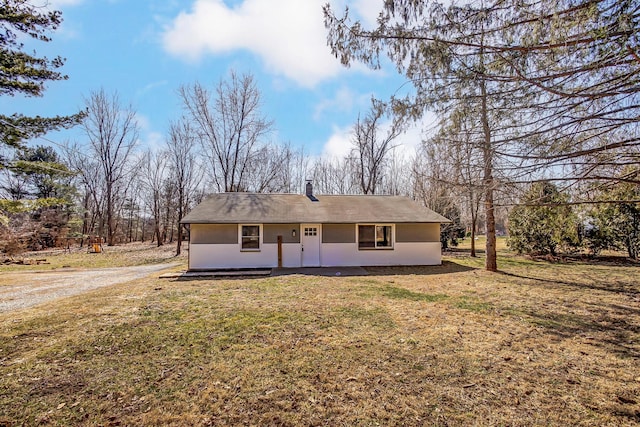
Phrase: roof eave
(364, 221)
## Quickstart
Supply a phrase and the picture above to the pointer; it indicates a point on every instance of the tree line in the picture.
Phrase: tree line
(526, 91)
(107, 185)
(529, 95)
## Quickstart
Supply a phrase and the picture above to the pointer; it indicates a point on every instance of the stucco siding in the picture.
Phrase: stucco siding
(207, 256)
(417, 232)
(212, 256)
(291, 255)
(413, 253)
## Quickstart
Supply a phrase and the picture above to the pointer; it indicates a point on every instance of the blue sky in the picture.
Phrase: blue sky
(146, 49)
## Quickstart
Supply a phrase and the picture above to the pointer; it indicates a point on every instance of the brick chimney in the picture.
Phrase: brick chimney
(309, 191)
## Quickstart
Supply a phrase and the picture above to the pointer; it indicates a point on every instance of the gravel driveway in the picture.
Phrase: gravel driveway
(32, 288)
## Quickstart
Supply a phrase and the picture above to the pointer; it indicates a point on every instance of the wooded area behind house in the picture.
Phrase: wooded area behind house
(538, 133)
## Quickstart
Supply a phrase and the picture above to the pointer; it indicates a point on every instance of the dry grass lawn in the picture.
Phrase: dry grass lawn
(112, 256)
(538, 344)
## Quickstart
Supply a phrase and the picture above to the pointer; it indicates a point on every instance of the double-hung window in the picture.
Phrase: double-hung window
(374, 236)
(250, 237)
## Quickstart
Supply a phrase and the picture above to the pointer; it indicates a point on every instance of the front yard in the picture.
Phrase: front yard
(538, 344)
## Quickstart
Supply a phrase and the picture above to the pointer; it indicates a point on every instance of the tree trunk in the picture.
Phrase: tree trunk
(180, 214)
(473, 238)
(110, 227)
(130, 225)
(474, 219)
(85, 216)
(491, 263)
(156, 221)
(135, 237)
(158, 235)
(179, 242)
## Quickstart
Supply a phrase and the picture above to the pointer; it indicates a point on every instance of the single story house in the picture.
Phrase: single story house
(251, 230)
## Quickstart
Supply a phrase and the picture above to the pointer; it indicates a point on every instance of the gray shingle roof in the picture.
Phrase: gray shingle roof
(232, 208)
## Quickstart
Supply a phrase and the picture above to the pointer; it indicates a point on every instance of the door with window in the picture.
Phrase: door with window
(310, 245)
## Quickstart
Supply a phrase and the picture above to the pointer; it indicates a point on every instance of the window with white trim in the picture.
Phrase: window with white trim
(374, 236)
(250, 237)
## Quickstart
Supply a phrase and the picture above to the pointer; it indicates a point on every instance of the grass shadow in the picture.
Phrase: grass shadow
(321, 271)
(463, 251)
(614, 287)
(610, 321)
(602, 327)
(214, 278)
(446, 267)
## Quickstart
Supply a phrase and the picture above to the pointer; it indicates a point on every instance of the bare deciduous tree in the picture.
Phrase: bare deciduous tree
(152, 176)
(293, 170)
(230, 126)
(457, 147)
(335, 176)
(112, 133)
(89, 181)
(372, 146)
(185, 170)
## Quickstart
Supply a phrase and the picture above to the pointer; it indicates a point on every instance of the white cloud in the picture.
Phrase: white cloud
(288, 35)
(343, 101)
(148, 137)
(154, 141)
(409, 141)
(368, 10)
(340, 143)
(142, 120)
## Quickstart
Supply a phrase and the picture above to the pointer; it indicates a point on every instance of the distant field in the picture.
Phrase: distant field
(112, 256)
(481, 241)
(464, 245)
(538, 344)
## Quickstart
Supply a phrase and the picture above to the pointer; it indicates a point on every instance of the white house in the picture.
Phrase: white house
(251, 230)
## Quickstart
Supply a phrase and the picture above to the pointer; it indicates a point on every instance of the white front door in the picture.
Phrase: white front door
(310, 245)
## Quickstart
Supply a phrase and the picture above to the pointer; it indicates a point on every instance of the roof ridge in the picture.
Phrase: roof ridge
(299, 194)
